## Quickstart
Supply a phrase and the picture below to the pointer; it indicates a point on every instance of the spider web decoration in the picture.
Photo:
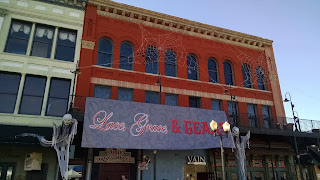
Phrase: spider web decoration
(154, 46)
(254, 70)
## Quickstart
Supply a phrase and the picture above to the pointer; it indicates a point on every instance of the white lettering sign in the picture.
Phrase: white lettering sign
(196, 160)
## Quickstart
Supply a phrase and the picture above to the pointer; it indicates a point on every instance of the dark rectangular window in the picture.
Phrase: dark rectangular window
(101, 91)
(58, 97)
(32, 96)
(171, 99)
(194, 102)
(9, 87)
(125, 94)
(66, 44)
(266, 116)
(152, 97)
(233, 113)
(42, 41)
(216, 104)
(18, 37)
(252, 115)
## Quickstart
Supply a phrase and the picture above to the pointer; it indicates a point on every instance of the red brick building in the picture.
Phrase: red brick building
(127, 52)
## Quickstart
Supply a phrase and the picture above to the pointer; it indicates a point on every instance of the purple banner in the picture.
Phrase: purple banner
(132, 125)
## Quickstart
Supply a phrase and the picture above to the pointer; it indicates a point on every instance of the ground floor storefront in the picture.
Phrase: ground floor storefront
(27, 163)
(203, 164)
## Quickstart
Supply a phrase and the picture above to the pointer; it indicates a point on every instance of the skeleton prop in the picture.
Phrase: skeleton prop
(240, 143)
(144, 164)
(62, 137)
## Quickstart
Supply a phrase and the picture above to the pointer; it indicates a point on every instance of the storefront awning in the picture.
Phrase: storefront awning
(11, 134)
(132, 125)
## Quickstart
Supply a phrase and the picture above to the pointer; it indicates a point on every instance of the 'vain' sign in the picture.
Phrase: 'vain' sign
(196, 160)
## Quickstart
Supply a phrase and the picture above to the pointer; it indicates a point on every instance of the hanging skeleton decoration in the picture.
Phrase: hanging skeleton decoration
(241, 142)
(144, 164)
(62, 137)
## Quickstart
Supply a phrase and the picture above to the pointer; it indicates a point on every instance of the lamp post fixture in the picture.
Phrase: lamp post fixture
(232, 108)
(226, 128)
(75, 72)
(296, 120)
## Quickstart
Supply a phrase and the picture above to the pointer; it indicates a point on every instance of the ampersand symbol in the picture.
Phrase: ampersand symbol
(175, 128)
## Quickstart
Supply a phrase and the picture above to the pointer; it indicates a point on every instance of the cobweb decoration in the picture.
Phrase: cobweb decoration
(254, 69)
(155, 46)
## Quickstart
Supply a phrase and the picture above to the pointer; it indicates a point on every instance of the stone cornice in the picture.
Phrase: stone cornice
(150, 18)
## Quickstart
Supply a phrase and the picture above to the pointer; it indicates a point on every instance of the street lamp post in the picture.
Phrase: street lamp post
(226, 128)
(234, 120)
(296, 120)
(75, 72)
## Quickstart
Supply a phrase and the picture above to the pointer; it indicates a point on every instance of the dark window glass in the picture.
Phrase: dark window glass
(216, 104)
(58, 97)
(152, 97)
(103, 92)
(9, 87)
(171, 99)
(32, 96)
(246, 74)
(105, 52)
(192, 66)
(266, 116)
(42, 41)
(66, 44)
(170, 63)
(194, 102)
(212, 70)
(252, 115)
(18, 37)
(151, 60)
(261, 78)
(126, 56)
(233, 113)
(228, 74)
(125, 94)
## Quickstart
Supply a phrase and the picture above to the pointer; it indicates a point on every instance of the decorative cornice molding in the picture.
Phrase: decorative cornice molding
(87, 44)
(149, 87)
(154, 19)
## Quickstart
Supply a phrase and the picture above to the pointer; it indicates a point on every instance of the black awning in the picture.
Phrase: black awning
(10, 134)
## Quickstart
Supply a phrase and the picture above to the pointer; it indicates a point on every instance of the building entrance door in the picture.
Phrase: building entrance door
(113, 171)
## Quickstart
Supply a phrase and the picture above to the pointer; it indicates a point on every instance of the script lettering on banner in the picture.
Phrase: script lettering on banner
(131, 125)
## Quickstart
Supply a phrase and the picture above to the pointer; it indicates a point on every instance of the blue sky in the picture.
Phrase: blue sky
(293, 25)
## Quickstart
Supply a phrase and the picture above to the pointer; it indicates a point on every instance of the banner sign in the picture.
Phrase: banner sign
(132, 125)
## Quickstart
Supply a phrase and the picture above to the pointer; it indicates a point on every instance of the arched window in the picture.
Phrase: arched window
(151, 60)
(192, 66)
(246, 74)
(170, 59)
(126, 56)
(228, 74)
(212, 70)
(105, 52)
(261, 78)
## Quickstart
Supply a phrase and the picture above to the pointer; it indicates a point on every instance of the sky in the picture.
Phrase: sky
(293, 25)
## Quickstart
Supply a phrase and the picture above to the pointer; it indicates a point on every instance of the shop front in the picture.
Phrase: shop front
(175, 141)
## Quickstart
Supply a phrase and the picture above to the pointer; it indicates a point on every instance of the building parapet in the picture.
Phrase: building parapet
(154, 19)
